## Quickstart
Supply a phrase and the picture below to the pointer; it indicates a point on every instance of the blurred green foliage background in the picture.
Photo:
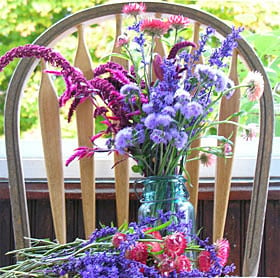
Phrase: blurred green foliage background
(23, 20)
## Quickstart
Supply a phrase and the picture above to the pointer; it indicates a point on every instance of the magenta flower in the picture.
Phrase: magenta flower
(154, 27)
(256, 85)
(134, 8)
(175, 244)
(222, 249)
(138, 253)
(178, 21)
(204, 261)
(182, 263)
(118, 238)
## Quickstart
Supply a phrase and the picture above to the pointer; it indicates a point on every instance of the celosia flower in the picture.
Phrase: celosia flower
(138, 253)
(178, 21)
(175, 244)
(256, 85)
(207, 159)
(204, 261)
(154, 26)
(134, 8)
(222, 248)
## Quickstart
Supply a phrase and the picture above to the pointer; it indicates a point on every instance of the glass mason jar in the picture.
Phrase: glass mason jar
(167, 193)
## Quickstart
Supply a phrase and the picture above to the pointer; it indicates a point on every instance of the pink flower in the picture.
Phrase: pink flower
(178, 21)
(227, 149)
(182, 263)
(122, 40)
(138, 253)
(134, 8)
(204, 261)
(117, 239)
(166, 266)
(256, 85)
(222, 249)
(154, 27)
(155, 234)
(207, 159)
(175, 244)
(250, 132)
(157, 63)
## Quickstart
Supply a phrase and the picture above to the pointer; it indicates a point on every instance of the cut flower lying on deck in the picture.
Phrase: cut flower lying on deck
(130, 251)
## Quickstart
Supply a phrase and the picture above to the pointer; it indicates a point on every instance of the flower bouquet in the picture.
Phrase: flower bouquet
(153, 112)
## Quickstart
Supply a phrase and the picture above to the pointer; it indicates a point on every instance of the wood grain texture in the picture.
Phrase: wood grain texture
(224, 166)
(193, 166)
(85, 130)
(51, 139)
(121, 162)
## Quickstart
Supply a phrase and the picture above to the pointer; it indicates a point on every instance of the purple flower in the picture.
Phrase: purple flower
(192, 109)
(158, 136)
(226, 48)
(150, 121)
(124, 139)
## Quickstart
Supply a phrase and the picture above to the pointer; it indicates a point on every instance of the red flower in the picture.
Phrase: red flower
(178, 21)
(182, 263)
(166, 266)
(134, 8)
(222, 249)
(154, 27)
(117, 239)
(155, 234)
(175, 244)
(204, 262)
(138, 253)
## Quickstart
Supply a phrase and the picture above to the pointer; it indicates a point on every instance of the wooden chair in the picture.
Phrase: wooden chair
(49, 118)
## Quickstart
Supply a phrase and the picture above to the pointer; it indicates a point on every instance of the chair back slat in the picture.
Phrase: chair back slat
(85, 129)
(49, 121)
(224, 165)
(121, 162)
(193, 166)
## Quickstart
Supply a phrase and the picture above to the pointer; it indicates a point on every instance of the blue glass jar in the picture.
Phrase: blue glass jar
(166, 193)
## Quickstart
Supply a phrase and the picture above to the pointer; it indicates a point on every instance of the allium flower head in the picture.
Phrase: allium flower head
(134, 8)
(178, 21)
(154, 26)
(256, 85)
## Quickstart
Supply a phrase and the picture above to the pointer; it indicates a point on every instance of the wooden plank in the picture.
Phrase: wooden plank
(193, 166)
(121, 162)
(85, 129)
(51, 139)
(223, 165)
